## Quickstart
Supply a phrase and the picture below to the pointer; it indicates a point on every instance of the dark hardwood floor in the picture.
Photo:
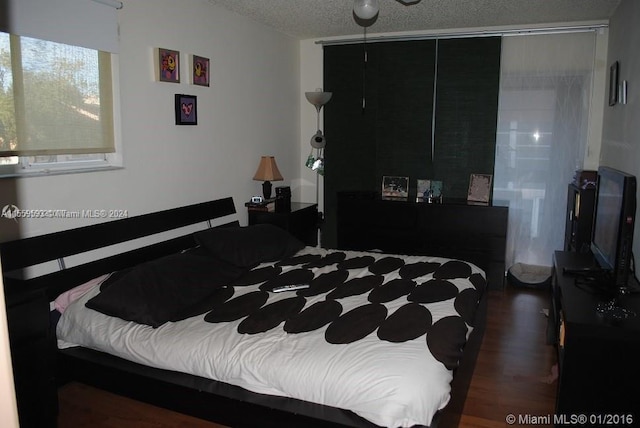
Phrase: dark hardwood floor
(513, 376)
(514, 373)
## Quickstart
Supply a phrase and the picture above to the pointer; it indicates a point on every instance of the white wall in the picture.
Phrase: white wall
(621, 127)
(311, 78)
(251, 109)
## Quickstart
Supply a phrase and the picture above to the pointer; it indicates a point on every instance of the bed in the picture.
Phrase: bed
(373, 340)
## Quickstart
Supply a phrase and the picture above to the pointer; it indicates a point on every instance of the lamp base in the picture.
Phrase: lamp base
(266, 189)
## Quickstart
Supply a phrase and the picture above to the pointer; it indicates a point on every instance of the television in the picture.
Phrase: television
(613, 224)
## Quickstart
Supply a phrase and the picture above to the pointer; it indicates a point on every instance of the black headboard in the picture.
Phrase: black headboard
(27, 252)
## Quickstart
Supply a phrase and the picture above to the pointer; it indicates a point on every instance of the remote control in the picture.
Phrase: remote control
(289, 287)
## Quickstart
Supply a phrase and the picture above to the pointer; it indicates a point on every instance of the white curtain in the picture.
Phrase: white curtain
(545, 94)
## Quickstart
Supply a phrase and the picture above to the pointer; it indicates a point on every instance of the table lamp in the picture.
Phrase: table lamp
(267, 172)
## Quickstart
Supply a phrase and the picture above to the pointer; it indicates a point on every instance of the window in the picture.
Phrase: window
(545, 96)
(56, 107)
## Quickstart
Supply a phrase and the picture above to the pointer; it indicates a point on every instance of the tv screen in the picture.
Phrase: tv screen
(613, 223)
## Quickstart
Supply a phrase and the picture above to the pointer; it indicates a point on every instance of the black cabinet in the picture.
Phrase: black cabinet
(455, 229)
(579, 223)
(598, 355)
(32, 355)
(301, 221)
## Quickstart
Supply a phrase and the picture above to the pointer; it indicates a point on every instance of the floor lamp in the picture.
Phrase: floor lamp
(315, 161)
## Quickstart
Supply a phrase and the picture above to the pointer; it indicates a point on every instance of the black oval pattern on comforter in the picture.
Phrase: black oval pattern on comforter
(385, 279)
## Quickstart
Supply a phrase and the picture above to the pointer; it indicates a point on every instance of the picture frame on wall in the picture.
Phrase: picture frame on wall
(186, 107)
(200, 67)
(480, 188)
(168, 65)
(613, 83)
(395, 187)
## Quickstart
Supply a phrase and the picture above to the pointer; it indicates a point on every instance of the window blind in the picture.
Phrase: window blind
(430, 113)
(54, 99)
(75, 22)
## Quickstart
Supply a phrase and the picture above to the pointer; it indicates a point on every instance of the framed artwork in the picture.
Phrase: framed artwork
(613, 83)
(480, 188)
(429, 191)
(423, 187)
(200, 69)
(186, 109)
(436, 188)
(168, 65)
(395, 187)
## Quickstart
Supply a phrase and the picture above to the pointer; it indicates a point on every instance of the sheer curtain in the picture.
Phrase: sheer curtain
(545, 94)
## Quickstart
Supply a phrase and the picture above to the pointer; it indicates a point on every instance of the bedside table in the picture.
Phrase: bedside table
(301, 221)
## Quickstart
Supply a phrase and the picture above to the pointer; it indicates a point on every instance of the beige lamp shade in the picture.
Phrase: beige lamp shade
(267, 171)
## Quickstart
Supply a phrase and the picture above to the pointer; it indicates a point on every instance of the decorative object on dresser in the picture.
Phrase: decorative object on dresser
(429, 191)
(267, 172)
(395, 187)
(480, 188)
(423, 189)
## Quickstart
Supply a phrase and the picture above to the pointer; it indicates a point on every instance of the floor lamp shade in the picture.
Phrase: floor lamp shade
(267, 172)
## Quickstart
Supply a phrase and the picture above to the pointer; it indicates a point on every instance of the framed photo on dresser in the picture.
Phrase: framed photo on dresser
(395, 187)
(480, 188)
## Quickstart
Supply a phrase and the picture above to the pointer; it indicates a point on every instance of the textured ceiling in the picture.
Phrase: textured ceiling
(309, 19)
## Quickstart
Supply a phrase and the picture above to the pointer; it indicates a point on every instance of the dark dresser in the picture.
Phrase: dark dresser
(454, 228)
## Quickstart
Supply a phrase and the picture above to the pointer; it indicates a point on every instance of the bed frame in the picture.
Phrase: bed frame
(200, 397)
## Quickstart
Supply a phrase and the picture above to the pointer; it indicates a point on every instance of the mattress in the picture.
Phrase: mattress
(376, 334)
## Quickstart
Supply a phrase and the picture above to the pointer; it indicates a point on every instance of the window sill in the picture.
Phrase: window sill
(59, 171)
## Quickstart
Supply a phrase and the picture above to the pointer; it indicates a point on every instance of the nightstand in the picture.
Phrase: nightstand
(301, 221)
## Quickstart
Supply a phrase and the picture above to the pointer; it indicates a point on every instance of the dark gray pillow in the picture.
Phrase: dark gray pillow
(166, 289)
(249, 246)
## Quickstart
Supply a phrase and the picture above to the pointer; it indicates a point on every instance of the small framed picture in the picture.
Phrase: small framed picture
(168, 63)
(436, 188)
(200, 68)
(480, 188)
(423, 187)
(395, 187)
(186, 109)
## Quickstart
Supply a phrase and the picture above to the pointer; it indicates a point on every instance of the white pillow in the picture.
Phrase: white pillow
(65, 299)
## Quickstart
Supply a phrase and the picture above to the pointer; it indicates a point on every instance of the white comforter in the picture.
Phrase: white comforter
(389, 384)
